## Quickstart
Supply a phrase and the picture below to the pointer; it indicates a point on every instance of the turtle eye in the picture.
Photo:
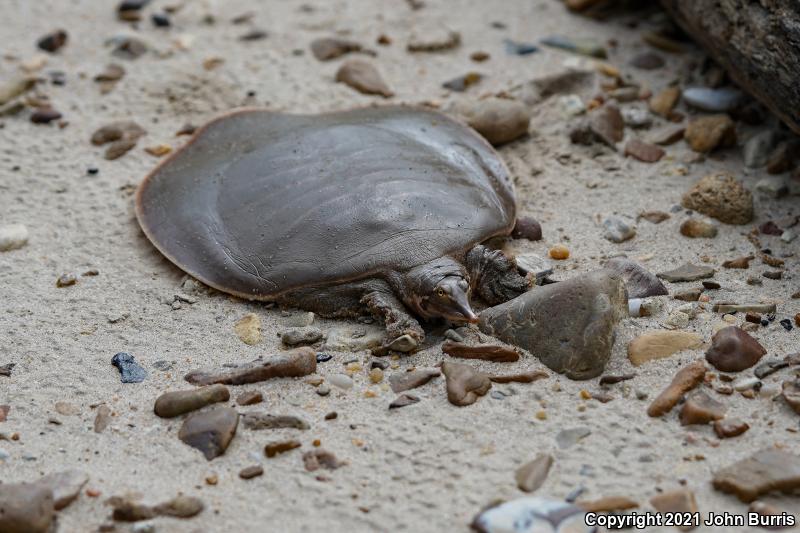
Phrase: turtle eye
(440, 292)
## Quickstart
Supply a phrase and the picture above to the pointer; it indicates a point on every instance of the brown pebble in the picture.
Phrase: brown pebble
(706, 133)
(274, 448)
(698, 229)
(754, 318)
(527, 228)
(645, 152)
(479, 56)
(733, 350)
(764, 472)
(250, 472)
(691, 295)
(333, 415)
(65, 280)
(319, 458)
(685, 380)
(663, 102)
(607, 504)
(496, 353)
(328, 48)
(533, 474)
(464, 384)
(249, 398)
(791, 394)
(679, 501)
(404, 400)
(363, 77)
(739, 262)
(522, 377)
(52, 42)
(45, 115)
(654, 217)
(773, 274)
(700, 408)
(730, 427)
(176, 403)
(102, 419)
(290, 364)
(210, 431)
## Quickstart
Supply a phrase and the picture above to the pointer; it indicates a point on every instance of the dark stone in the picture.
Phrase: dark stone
(639, 282)
(129, 369)
(52, 42)
(527, 228)
(733, 350)
(403, 400)
(210, 431)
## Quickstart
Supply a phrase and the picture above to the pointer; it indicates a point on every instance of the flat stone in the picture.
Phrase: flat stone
(607, 504)
(534, 266)
(464, 384)
(498, 120)
(643, 151)
(128, 510)
(403, 381)
(733, 350)
(496, 353)
(568, 325)
(249, 472)
(790, 390)
(433, 39)
(654, 217)
(258, 421)
(171, 404)
(532, 515)
(271, 449)
(25, 508)
(298, 336)
(698, 229)
(319, 458)
(685, 380)
(129, 369)
(667, 135)
(342, 381)
(462, 83)
(102, 419)
(691, 295)
(249, 398)
(659, 344)
(617, 230)
(722, 197)
(567, 438)
(707, 133)
(248, 329)
(210, 431)
(404, 400)
(66, 486)
(521, 377)
(687, 272)
(700, 408)
(774, 186)
(607, 124)
(764, 472)
(664, 102)
(327, 48)
(533, 474)
(730, 427)
(363, 77)
(721, 100)
(13, 237)
(765, 309)
(639, 282)
(740, 262)
(294, 363)
(679, 501)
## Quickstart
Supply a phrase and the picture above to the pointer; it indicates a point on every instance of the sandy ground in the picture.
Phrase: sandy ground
(429, 467)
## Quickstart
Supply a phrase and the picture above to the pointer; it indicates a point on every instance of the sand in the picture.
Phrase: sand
(428, 467)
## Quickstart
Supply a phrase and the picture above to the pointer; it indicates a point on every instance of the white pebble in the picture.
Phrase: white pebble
(13, 236)
(341, 381)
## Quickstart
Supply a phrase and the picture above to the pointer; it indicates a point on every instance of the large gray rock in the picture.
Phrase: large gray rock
(568, 325)
(25, 508)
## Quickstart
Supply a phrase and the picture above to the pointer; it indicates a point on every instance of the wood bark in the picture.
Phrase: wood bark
(756, 41)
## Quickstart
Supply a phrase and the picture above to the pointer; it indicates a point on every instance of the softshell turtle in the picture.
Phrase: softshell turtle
(380, 209)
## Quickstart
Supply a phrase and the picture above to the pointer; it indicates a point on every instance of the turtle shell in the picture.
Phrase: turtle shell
(260, 203)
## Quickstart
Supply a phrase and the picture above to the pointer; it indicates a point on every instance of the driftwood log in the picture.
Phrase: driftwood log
(756, 41)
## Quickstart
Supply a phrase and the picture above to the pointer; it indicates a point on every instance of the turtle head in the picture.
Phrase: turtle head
(440, 289)
(450, 300)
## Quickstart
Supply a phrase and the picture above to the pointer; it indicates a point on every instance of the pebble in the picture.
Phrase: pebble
(532, 514)
(637, 117)
(578, 336)
(687, 272)
(730, 427)
(519, 48)
(617, 230)
(102, 419)
(319, 458)
(700, 408)
(66, 280)
(348, 339)
(26, 508)
(248, 329)
(766, 309)
(721, 100)
(17, 86)
(733, 350)
(66, 486)
(639, 282)
(328, 48)
(533, 474)
(773, 274)
(13, 237)
(250, 472)
(647, 61)
(607, 504)
(259, 421)
(758, 148)
(764, 472)
(254, 35)
(462, 83)
(376, 375)
(527, 228)
(698, 229)
(249, 398)
(434, 40)
(645, 152)
(67, 408)
(664, 102)
(291, 364)
(160, 20)
(535, 267)
(172, 404)
(128, 510)
(210, 431)
(684, 380)
(691, 295)
(122, 136)
(739, 262)
(53, 42)
(298, 336)
(342, 381)
(583, 47)
(521, 377)
(127, 47)
(363, 77)
(659, 344)
(488, 352)
(272, 449)
(667, 135)
(479, 56)
(782, 158)
(323, 390)
(559, 252)
(573, 105)
(403, 381)
(129, 369)
(404, 400)
(773, 186)
(707, 133)
(464, 384)
(607, 125)
(678, 502)
(45, 115)
(498, 120)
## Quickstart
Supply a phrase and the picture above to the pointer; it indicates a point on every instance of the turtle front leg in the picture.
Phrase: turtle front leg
(404, 332)
(494, 276)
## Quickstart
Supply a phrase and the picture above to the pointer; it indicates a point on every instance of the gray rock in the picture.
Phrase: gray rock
(12, 237)
(210, 431)
(568, 325)
(535, 265)
(687, 272)
(25, 508)
(758, 148)
(569, 437)
(719, 100)
(297, 336)
(532, 515)
(639, 282)
(130, 371)
(258, 421)
(617, 230)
